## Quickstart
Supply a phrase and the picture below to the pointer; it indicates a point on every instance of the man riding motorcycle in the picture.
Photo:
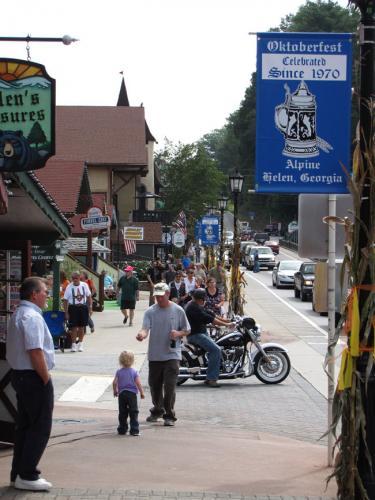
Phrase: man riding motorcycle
(198, 318)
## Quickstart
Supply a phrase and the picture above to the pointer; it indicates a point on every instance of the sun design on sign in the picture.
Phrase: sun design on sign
(10, 71)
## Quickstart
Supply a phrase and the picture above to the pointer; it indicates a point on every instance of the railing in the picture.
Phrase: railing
(152, 216)
(290, 241)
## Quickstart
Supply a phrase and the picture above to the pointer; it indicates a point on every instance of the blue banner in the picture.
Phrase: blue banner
(210, 230)
(303, 112)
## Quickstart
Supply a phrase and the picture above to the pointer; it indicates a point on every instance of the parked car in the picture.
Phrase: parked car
(266, 257)
(261, 238)
(283, 273)
(274, 246)
(304, 280)
(246, 246)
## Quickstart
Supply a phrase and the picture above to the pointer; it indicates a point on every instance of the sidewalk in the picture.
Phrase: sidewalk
(203, 457)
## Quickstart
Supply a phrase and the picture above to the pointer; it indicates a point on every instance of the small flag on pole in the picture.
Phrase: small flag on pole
(180, 222)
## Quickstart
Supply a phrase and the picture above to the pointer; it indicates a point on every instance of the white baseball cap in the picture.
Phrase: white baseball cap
(161, 288)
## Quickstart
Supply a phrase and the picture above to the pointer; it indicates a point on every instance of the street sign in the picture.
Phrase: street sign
(95, 223)
(303, 112)
(313, 233)
(210, 230)
(178, 239)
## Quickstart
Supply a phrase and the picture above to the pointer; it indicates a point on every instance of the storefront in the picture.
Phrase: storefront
(32, 218)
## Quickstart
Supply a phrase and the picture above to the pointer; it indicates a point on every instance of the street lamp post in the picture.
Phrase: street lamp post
(222, 205)
(235, 302)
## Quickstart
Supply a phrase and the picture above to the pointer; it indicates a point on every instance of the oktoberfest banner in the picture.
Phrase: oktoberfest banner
(303, 112)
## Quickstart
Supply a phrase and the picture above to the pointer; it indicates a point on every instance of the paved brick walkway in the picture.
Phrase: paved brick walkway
(65, 494)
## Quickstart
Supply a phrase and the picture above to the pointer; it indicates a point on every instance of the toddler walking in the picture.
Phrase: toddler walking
(126, 385)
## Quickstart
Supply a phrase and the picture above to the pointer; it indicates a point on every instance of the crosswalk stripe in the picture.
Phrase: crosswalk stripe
(87, 389)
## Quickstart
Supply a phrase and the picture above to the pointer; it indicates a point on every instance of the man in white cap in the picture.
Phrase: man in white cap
(128, 285)
(166, 323)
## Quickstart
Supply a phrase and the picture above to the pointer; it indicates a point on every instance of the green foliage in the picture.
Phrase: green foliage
(320, 16)
(140, 268)
(190, 179)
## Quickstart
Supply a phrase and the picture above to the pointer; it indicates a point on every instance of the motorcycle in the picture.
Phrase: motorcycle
(242, 355)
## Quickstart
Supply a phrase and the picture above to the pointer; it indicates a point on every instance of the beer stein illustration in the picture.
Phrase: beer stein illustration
(296, 120)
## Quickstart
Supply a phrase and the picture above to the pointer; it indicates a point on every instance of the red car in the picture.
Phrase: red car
(274, 246)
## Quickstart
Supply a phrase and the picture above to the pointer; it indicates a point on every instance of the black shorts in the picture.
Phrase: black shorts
(128, 304)
(78, 315)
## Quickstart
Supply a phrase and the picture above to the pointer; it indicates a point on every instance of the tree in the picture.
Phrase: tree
(36, 135)
(190, 179)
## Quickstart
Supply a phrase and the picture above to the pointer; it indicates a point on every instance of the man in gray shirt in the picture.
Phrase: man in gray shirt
(30, 353)
(166, 323)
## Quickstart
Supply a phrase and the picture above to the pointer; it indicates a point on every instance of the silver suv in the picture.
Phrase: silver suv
(266, 258)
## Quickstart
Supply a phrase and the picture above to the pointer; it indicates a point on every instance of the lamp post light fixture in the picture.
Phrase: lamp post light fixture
(235, 298)
(222, 205)
(236, 183)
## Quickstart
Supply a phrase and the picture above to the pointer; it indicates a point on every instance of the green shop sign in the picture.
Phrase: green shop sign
(27, 115)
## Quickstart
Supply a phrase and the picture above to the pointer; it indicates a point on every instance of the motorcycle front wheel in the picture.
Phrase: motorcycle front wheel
(273, 371)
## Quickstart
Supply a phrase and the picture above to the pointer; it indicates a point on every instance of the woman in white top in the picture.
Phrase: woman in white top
(189, 281)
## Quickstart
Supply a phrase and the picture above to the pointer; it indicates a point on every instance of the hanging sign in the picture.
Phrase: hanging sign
(303, 112)
(178, 239)
(133, 233)
(27, 115)
(95, 223)
(210, 230)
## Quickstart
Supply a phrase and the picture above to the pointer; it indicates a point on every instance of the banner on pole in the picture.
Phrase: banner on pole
(303, 112)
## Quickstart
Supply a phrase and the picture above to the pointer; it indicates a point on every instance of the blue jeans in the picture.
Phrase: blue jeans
(214, 353)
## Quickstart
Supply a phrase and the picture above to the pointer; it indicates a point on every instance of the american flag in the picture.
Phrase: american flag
(129, 246)
(180, 222)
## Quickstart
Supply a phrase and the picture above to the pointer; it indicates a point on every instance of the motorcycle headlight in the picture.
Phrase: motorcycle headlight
(248, 323)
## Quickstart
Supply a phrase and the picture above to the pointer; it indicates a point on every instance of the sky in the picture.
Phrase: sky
(188, 61)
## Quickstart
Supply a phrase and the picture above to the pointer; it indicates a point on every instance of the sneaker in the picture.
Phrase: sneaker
(152, 418)
(134, 433)
(121, 432)
(125, 320)
(74, 347)
(168, 422)
(92, 330)
(212, 383)
(131, 323)
(36, 485)
(80, 347)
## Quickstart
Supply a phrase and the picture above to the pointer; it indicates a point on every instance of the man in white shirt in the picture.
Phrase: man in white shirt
(30, 353)
(78, 307)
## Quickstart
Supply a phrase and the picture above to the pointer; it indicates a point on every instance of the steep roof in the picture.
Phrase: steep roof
(105, 135)
(68, 183)
(123, 99)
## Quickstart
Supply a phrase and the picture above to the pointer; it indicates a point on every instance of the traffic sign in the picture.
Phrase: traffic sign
(95, 223)
(178, 239)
